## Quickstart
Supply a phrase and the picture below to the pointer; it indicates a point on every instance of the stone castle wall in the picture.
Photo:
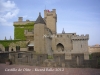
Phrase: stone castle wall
(94, 49)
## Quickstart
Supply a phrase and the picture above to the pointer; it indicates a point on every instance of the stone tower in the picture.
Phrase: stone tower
(39, 31)
(51, 19)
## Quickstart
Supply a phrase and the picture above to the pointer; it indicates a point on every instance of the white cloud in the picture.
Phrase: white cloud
(11, 14)
(8, 10)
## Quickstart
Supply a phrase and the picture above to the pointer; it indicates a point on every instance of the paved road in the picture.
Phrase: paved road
(33, 70)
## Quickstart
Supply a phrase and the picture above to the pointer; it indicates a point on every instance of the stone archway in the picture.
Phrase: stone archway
(60, 47)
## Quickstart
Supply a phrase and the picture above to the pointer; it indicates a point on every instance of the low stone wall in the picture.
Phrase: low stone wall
(4, 57)
(58, 60)
(28, 58)
(90, 63)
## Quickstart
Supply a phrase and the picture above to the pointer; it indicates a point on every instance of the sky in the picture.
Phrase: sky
(75, 16)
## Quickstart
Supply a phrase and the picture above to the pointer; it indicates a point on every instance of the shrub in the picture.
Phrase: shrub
(50, 57)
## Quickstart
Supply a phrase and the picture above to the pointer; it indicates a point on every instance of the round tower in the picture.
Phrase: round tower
(39, 31)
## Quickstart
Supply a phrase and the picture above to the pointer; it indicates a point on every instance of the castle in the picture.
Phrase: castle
(38, 43)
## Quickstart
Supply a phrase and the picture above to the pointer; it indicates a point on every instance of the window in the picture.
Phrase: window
(57, 35)
(31, 48)
(81, 46)
(17, 48)
(7, 48)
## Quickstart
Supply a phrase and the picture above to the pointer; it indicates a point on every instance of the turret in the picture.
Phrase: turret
(39, 20)
(63, 32)
(39, 31)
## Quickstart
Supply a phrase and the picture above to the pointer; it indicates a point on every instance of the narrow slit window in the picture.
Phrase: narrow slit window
(81, 46)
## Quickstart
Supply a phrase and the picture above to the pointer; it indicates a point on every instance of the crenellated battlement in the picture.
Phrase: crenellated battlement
(50, 13)
(81, 37)
(60, 35)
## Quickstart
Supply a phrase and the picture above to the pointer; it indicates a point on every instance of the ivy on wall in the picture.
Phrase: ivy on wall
(19, 33)
(19, 30)
(6, 43)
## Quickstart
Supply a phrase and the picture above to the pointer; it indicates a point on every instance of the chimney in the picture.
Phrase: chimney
(20, 19)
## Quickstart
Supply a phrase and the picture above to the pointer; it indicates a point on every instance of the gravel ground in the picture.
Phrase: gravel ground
(32, 70)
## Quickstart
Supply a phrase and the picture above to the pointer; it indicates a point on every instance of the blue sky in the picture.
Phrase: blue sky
(79, 16)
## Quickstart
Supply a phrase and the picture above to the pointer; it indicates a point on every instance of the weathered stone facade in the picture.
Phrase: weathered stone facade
(94, 49)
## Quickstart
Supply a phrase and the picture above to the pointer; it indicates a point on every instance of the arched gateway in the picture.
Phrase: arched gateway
(60, 47)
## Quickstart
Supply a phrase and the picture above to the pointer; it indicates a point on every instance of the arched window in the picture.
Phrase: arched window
(60, 47)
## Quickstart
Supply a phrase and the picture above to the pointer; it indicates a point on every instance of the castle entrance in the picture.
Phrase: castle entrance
(60, 47)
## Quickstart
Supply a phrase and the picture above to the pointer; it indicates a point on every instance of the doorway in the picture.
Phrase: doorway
(60, 47)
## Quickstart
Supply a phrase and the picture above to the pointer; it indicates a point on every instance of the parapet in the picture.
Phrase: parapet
(82, 37)
(21, 22)
(66, 35)
(50, 13)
